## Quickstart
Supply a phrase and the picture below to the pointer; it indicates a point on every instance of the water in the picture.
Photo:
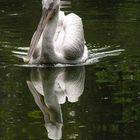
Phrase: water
(98, 101)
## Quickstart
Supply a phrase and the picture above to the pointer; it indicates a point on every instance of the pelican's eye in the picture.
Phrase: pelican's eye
(51, 6)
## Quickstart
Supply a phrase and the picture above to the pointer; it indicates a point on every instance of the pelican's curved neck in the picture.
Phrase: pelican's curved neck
(48, 52)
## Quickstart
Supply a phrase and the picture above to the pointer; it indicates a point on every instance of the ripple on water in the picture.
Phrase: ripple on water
(94, 56)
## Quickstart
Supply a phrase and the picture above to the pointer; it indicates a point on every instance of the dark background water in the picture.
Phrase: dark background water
(109, 107)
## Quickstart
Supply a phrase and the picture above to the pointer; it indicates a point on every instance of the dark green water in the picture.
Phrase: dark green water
(103, 99)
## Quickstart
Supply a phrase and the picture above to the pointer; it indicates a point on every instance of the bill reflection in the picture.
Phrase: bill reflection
(50, 88)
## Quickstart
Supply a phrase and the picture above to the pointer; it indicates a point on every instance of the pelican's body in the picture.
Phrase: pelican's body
(60, 40)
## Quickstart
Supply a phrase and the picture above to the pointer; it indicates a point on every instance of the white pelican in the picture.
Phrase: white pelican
(59, 38)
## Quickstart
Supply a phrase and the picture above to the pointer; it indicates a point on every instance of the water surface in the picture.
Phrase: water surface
(98, 101)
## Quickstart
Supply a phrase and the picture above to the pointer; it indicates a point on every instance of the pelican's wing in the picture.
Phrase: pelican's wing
(70, 40)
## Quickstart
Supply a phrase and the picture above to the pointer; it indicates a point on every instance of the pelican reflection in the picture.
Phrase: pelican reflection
(50, 88)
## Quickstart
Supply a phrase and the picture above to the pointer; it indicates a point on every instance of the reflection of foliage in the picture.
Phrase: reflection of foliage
(137, 75)
(36, 114)
(106, 76)
(118, 84)
(3, 115)
(112, 128)
(122, 100)
(132, 114)
(113, 74)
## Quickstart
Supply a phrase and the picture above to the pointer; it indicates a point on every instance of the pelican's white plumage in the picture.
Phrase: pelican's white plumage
(59, 38)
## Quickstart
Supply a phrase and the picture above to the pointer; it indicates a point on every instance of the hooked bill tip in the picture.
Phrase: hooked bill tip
(26, 60)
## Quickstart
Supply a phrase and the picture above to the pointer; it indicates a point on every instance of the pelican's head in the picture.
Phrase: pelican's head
(50, 3)
(49, 8)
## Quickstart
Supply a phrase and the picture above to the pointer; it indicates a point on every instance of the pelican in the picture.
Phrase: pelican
(59, 38)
